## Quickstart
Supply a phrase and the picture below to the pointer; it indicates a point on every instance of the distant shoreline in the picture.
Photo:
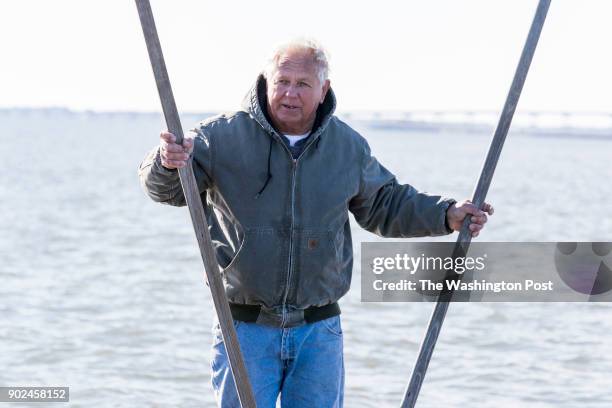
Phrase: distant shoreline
(591, 124)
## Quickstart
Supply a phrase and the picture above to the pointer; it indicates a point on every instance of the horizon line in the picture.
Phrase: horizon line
(351, 111)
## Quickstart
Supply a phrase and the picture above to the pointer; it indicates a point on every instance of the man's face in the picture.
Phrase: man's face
(294, 93)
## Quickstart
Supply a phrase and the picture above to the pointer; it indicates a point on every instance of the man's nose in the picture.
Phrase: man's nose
(291, 91)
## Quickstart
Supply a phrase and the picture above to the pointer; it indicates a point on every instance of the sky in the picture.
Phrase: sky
(385, 55)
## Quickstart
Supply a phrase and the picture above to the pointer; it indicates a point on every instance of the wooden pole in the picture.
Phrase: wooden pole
(194, 203)
(486, 175)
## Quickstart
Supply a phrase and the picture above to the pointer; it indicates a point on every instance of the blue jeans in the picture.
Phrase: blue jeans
(303, 364)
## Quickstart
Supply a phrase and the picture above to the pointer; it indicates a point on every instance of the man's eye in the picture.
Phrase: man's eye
(303, 84)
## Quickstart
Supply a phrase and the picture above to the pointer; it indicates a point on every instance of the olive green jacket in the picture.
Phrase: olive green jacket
(284, 241)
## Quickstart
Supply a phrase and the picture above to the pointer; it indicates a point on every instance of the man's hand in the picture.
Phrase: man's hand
(457, 212)
(174, 155)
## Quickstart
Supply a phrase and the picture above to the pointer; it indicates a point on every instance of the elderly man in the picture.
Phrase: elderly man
(279, 179)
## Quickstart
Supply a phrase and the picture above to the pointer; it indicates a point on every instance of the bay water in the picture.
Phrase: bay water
(102, 290)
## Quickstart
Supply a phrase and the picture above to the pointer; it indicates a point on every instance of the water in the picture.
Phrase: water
(102, 289)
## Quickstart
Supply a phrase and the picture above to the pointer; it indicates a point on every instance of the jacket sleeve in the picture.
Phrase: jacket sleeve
(163, 185)
(389, 209)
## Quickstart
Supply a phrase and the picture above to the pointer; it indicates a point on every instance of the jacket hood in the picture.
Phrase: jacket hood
(255, 103)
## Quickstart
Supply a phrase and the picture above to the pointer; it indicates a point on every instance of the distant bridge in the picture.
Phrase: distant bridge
(530, 119)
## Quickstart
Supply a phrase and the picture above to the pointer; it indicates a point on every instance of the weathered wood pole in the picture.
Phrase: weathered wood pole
(486, 175)
(194, 202)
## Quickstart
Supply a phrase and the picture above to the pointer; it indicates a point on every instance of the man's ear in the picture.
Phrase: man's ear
(326, 86)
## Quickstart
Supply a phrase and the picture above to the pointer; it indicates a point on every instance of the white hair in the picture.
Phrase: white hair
(320, 56)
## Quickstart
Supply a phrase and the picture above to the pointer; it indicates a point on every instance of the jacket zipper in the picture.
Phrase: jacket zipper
(290, 260)
(294, 163)
(288, 282)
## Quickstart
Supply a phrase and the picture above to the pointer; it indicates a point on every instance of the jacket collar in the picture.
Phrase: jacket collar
(255, 103)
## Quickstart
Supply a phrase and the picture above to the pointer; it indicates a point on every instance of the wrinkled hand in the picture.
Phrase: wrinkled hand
(457, 212)
(174, 155)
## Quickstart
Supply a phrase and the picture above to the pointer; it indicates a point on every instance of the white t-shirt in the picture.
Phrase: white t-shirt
(293, 139)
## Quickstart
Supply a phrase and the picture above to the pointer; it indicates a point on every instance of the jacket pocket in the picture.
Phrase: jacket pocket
(254, 276)
(318, 276)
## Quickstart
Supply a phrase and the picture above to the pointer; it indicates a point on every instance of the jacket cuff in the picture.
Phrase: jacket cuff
(448, 202)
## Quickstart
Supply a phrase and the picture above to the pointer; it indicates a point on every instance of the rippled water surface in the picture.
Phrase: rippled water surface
(102, 290)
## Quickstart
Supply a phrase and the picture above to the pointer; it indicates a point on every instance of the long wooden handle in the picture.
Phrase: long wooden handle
(484, 182)
(194, 202)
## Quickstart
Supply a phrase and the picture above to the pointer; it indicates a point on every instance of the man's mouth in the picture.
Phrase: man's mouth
(289, 106)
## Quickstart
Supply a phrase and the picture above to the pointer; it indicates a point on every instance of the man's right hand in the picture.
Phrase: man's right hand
(174, 156)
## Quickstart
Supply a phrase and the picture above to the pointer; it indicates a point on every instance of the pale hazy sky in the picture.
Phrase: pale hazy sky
(400, 55)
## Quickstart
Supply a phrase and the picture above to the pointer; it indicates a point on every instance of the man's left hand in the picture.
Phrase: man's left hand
(457, 212)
